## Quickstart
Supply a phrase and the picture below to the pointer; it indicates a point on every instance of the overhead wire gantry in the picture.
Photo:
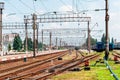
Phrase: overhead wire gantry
(32, 22)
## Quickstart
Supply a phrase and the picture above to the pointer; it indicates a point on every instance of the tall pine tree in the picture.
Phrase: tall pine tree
(17, 43)
(112, 41)
(29, 44)
(103, 38)
(93, 41)
(9, 47)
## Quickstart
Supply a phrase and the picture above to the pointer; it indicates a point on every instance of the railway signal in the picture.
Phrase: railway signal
(86, 66)
(115, 58)
(86, 63)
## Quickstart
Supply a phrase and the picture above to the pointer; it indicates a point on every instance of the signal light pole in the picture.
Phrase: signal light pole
(56, 42)
(89, 39)
(34, 29)
(1, 8)
(106, 27)
(42, 41)
(50, 43)
(26, 34)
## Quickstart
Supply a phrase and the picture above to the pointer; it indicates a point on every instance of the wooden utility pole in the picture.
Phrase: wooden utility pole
(37, 38)
(1, 8)
(42, 41)
(60, 43)
(26, 33)
(50, 40)
(106, 27)
(89, 41)
(56, 42)
(34, 28)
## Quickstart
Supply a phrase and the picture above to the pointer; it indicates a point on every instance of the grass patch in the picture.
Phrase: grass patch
(115, 68)
(98, 72)
(83, 75)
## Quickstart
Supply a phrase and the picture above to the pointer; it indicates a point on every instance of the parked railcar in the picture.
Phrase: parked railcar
(111, 46)
(100, 46)
(117, 46)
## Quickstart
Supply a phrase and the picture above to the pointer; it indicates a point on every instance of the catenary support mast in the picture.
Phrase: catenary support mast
(106, 27)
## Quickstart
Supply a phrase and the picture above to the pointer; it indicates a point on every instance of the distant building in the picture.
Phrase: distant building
(8, 39)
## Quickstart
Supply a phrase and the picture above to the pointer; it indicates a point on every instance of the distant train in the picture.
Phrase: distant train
(100, 46)
(117, 46)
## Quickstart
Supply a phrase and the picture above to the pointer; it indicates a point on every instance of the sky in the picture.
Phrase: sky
(14, 11)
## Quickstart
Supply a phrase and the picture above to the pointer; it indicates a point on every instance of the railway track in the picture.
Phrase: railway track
(17, 69)
(8, 65)
(62, 68)
(116, 54)
(44, 72)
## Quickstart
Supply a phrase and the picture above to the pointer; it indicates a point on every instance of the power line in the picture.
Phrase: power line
(73, 5)
(26, 5)
(34, 6)
(43, 5)
(13, 6)
(77, 5)
(81, 5)
(89, 0)
(65, 4)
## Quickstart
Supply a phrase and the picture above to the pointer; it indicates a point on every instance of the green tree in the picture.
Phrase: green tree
(9, 47)
(112, 40)
(103, 38)
(17, 43)
(40, 46)
(92, 41)
(36, 42)
(29, 44)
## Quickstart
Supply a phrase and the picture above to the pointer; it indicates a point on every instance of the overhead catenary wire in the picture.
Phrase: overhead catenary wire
(43, 5)
(77, 5)
(34, 6)
(15, 8)
(89, 0)
(27, 6)
(73, 5)
(65, 4)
